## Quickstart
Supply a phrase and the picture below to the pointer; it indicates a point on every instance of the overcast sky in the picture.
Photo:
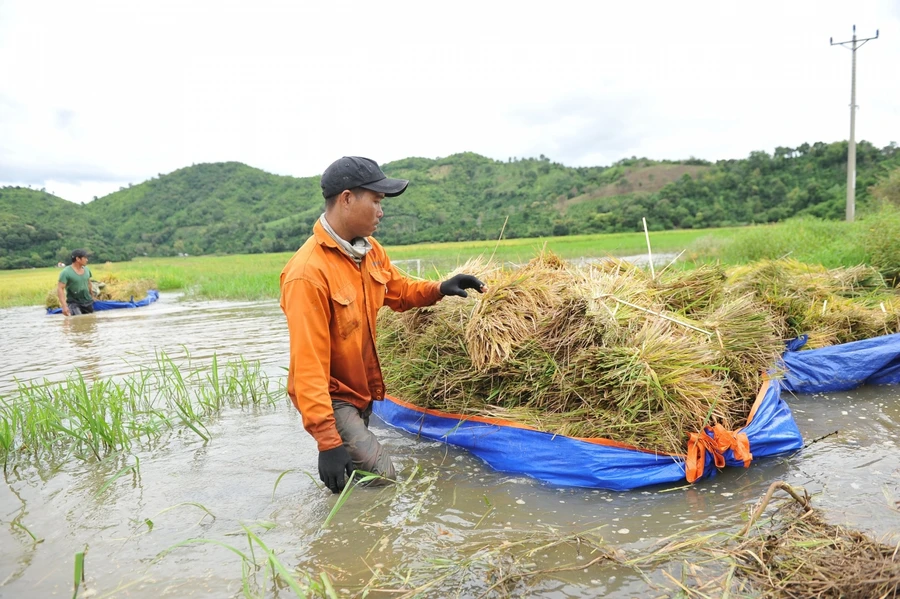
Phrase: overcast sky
(95, 95)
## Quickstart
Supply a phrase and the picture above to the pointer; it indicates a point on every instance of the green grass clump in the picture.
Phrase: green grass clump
(873, 239)
(881, 242)
(93, 419)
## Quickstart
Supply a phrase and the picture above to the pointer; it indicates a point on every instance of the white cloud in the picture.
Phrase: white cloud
(101, 94)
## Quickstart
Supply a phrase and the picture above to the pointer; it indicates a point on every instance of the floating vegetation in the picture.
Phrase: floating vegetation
(611, 351)
(796, 553)
(90, 419)
(785, 551)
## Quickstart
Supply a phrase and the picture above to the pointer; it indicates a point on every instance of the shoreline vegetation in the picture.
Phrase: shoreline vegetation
(873, 240)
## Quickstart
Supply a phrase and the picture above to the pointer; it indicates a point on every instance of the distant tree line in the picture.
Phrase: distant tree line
(230, 208)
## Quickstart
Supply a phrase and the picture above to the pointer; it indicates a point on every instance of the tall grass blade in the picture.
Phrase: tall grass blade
(278, 480)
(278, 566)
(116, 476)
(79, 572)
(361, 477)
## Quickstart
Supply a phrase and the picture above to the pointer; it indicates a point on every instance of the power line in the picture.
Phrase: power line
(855, 44)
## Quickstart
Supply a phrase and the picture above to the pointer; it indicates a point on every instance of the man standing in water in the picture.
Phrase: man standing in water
(331, 291)
(74, 289)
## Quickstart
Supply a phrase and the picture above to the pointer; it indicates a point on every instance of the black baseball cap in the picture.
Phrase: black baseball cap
(355, 171)
(79, 254)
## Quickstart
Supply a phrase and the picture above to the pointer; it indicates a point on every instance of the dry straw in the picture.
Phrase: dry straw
(786, 550)
(796, 553)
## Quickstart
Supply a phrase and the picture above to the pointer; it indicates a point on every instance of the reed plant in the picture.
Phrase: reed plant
(92, 419)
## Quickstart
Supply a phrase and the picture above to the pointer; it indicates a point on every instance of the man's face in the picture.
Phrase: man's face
(81, 260)
(365, 212)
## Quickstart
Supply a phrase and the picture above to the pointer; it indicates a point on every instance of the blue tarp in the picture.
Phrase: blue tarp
(152, 296)
(599, 463)
(873, 361)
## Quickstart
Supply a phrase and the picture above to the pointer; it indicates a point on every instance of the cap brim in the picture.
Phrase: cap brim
(389, 187)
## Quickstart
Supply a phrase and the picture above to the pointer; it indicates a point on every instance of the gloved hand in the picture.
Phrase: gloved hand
(333, 464)
(458, 284)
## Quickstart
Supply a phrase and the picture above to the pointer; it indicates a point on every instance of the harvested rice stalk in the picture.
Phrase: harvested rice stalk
(689, 291)
(748, 338)
(108, 287)
(430, 368)
(833, 306)
(662, 376)
(850, 320)
(624, 297)
(856, 279)
(512, 309)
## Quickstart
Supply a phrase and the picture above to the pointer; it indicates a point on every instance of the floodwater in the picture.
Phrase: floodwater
(452, 505)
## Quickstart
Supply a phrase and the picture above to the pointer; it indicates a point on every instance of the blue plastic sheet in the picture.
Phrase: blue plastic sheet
(873, 361)
(152, 296)
(566, 461)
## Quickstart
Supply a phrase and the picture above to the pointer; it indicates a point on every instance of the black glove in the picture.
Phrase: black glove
(458, 284)
(333, 464)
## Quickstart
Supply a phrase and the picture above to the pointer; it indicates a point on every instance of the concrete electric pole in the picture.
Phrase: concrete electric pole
(851, 150)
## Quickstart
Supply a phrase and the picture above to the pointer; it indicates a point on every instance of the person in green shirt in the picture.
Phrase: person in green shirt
(74, 288)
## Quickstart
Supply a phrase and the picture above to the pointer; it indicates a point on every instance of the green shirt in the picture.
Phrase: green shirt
(77, 286)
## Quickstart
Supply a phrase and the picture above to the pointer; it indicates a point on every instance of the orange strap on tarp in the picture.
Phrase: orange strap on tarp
(721, 441)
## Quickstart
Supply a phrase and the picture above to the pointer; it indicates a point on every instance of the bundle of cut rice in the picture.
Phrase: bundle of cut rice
(610, 351)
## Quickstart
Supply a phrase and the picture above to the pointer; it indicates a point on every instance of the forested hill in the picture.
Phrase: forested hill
(234, 208)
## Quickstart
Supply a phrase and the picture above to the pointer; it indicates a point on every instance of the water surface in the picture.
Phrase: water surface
(453, 505)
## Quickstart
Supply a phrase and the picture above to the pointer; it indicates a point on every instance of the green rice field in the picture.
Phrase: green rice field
(255, 276)
(872, 240)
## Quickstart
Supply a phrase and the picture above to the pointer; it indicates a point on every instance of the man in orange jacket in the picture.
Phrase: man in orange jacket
(331, 291)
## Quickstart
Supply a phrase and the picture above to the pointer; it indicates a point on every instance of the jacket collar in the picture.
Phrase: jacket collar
(322, 236)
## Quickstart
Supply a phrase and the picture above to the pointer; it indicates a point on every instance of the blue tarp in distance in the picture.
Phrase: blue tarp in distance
(152, 296)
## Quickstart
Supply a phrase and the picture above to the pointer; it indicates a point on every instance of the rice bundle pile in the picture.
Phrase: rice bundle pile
(831, 306)
(109, 287)
(117, 290)
(609, 351)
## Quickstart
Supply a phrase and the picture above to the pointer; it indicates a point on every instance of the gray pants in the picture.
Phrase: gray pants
(77, 309)
(362, 444)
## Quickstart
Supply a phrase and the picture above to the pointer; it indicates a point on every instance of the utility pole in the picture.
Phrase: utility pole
(855, 44)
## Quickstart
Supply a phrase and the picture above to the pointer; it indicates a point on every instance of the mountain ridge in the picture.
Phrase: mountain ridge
(231, 207)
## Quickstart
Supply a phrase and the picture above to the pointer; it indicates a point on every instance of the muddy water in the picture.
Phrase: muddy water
(452, 505)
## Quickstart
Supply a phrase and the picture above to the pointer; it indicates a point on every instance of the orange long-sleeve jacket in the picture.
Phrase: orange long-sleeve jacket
(331, 304)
